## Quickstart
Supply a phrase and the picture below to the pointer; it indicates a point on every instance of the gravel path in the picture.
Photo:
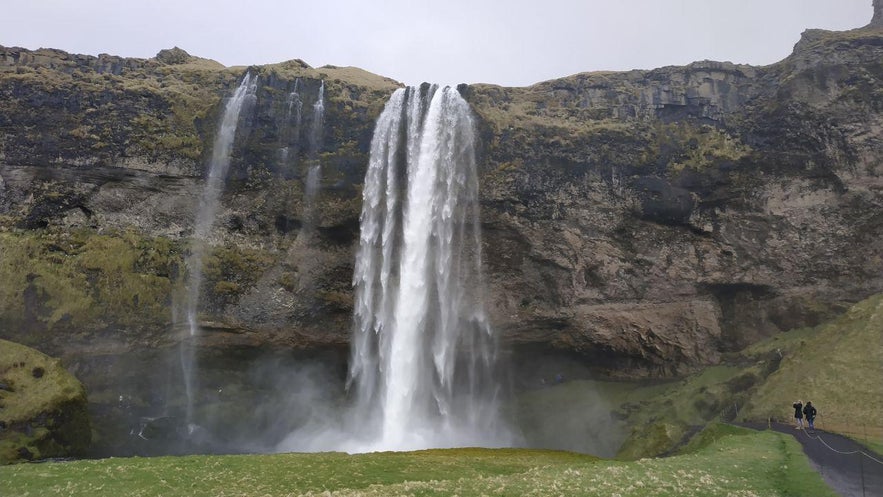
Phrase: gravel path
(849, 468)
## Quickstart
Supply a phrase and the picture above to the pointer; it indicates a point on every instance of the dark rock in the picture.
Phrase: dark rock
(661, 202)
(25, 454)
(173, 56)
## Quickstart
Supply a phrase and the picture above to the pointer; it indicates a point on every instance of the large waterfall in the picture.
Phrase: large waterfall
(205, 219)
(423, 355)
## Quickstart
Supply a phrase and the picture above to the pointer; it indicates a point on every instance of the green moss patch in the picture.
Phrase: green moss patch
(687, 146)
(83, 280)
(42, 406)
(230, 271)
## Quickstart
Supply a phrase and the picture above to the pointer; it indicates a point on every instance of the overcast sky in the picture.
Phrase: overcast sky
(508, 42)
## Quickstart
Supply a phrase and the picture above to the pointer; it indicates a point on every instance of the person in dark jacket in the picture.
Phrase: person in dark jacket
(798, 414)
(810, 413)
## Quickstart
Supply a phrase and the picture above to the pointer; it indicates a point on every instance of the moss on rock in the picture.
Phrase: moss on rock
(56, 280)
(42, 407)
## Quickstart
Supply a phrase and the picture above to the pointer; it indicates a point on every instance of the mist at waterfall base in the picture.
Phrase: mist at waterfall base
(424, 369)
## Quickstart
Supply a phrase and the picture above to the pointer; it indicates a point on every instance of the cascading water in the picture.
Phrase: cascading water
(290, 126)
(314, 175)
(423, 355)
(205, 219)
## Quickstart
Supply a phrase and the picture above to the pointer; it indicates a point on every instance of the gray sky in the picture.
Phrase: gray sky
(512, 43)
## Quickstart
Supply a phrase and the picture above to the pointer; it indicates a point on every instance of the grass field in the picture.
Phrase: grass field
(725, 461)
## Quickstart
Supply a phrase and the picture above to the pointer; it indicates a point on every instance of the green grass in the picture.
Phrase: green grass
(735, 463)
(837, 366)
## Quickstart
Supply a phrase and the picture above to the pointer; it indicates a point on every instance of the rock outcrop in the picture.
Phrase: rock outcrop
(648, 221)
(42, 407)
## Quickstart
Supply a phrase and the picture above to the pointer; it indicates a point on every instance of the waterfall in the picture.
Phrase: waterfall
(314, 175)
(423, 354)
(205, 219)
(293, 110)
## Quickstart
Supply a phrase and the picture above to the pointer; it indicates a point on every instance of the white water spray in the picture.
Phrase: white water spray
(205, 219)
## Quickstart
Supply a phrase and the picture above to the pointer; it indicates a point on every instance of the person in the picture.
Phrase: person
(798, 414)
(810, 413)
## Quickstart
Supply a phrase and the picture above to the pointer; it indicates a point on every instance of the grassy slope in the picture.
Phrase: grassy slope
(837, 365)
(733, 462)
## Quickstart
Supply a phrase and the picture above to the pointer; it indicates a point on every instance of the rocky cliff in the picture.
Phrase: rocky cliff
(646, 221)
(657, 218)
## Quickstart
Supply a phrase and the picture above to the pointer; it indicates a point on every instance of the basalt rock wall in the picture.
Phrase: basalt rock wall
(647, 221)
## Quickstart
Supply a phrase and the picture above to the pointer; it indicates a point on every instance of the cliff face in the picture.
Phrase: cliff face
(657, 218)
(102, 161)
(647, 220)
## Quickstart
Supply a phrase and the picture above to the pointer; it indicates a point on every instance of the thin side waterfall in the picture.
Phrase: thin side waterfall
(314, 175)
(205, 219)
(290, 126)
(423, 354)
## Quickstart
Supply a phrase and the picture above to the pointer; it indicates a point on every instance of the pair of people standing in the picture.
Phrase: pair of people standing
(801, 411)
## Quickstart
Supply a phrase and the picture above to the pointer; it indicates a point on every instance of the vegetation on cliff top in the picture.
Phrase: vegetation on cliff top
(145, 109)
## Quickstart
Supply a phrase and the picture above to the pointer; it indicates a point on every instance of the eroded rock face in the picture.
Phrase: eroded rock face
(648, 220)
